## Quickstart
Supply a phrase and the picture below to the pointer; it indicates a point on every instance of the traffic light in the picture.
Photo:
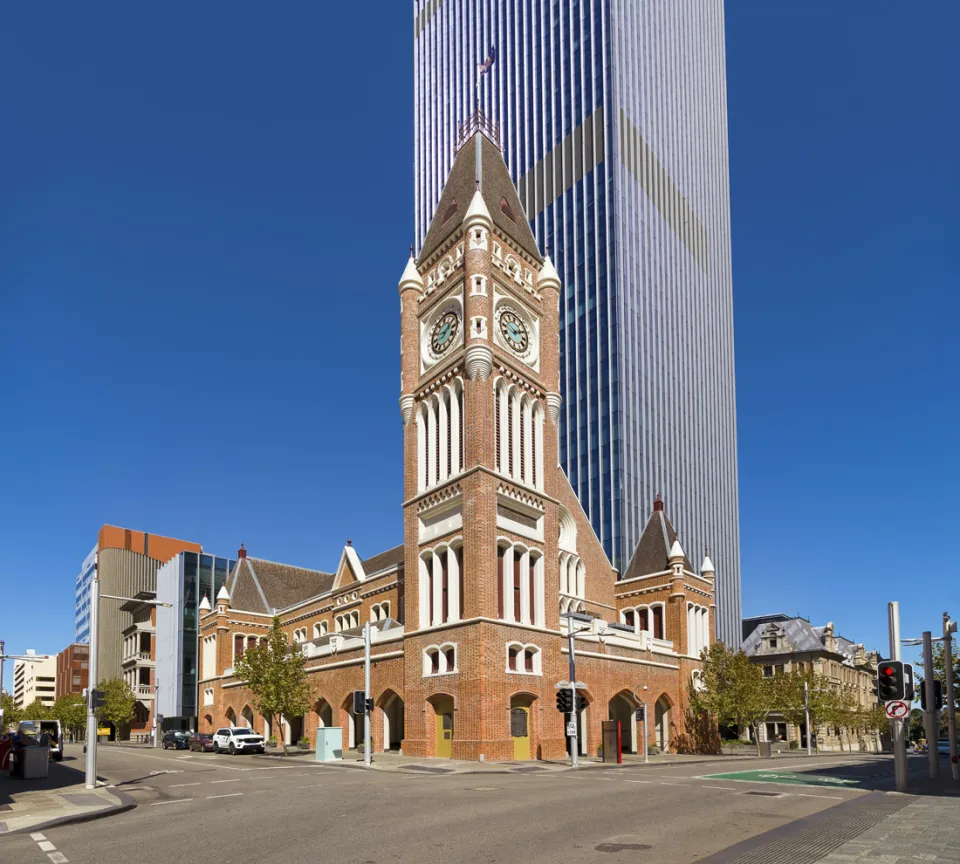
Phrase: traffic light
(937, 695)
(359, 702)
(564, 701)
(581, 702)
(97, 699)
(890, 682)
(908, 689)
(370, 706)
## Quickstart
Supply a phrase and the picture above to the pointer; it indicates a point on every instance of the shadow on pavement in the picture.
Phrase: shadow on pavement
(60, 775)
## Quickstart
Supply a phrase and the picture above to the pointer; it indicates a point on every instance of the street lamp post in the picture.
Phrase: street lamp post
(95, 596)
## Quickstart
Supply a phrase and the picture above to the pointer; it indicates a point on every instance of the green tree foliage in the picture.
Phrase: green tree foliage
(275, 674)
(830, 705)
(917, 729)
(940, 671)
(701, 735)
(36, 710)
(71, 711)
(734, 689)
(11, 714)
(118, 705)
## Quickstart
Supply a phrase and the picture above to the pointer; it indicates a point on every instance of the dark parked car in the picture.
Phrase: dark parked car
(176, 741)
(202, 742)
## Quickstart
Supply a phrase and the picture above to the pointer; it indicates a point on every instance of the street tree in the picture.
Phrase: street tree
(36, 710)
(71, 711)
(733, 689)
(274, 671)
(11, 714)
(940, 673)
(118, 703)
(829, 704)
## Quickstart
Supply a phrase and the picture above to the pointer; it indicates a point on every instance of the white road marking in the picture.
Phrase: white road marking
(665, 783)
(57, 857)
(46, 846)
(638, 781)
(171, 801)
(179, 785)
(724, 788)
(38, 836)
(231, 795)
(312, 786)
(234, 780)
(831, 797)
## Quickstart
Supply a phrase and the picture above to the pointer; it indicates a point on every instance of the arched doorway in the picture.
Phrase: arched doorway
(231, 717)
(623, 708)
(208, 723)
(353, 724)
(661, 720)
(444, 725)
(391, 707)
(246, 715)
(294, 729)
(521, 719)
(324, 712)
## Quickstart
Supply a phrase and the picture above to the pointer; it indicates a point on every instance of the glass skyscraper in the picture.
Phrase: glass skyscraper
(614, 127)
(81, 629)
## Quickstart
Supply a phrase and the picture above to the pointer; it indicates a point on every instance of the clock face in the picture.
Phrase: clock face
(514, 332)
(444, 332)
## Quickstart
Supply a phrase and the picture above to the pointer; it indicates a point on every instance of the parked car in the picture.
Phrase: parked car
(943, 746)
(202, 742)
(48, 730)
(176, 740)
(236, 739)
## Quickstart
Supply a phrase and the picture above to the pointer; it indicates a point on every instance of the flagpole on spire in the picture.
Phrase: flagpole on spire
(483, 69)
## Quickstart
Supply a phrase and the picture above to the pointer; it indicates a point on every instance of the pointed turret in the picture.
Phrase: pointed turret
(477, 212)
(677, 554)
(205, 604)
(707, 570)
(223, 595)
(548, 275)
(411, 276)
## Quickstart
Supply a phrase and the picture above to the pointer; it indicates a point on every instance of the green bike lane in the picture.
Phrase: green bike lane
(852, 775)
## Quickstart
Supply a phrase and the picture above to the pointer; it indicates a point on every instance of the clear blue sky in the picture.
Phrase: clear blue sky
(205, 211)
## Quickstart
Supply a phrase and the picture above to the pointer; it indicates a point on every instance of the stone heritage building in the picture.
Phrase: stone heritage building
(782, 644)
(468, 638)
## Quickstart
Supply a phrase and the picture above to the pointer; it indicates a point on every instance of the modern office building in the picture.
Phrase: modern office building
(127, 562)
(612, 121)
(183, 582)
(82, 599)
(73, 669)
(33, 680)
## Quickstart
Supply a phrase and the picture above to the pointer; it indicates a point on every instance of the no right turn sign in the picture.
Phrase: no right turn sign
(897, 709)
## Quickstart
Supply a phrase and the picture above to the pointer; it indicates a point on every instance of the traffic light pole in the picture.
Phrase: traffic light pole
(896, 726)
(574, 742)
(948, 629)
(91, 772)
(367, 758)
(930, 715)
(806, 715)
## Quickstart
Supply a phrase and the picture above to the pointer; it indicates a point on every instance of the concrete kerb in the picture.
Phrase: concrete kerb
(126, 803)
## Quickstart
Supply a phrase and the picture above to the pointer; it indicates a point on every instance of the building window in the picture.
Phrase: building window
(520, 589)
(380, 611)
(208, 696)
(238, 643)
(441, 585)
(440, 436)
(523, 659)
(440, 659)
(768, 671)
(320, 629)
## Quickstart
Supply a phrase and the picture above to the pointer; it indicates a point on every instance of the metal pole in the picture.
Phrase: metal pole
(896, 726)
(91, 773)
(646, 739)
(156, 703)
(2, 661)
(366, 695)
(806, 714)
(948, 628)
(574, 738)
(931, 721)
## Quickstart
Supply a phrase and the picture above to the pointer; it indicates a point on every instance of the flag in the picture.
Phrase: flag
(485, 66)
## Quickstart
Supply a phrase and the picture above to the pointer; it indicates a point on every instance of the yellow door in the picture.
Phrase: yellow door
(520, 731)
(445, 734)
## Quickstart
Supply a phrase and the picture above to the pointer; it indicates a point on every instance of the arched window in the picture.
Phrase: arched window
(440, 659)
(520, 587)
(658, 622)
(320, 629)
(523, 659)
(441, 584)
(440, 443)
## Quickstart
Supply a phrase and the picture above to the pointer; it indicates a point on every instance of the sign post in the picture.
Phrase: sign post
(896, 723)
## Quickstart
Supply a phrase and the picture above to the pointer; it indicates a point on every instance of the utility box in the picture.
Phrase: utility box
(766, 749)
(612, 746)
(329, 743)
(33, 762)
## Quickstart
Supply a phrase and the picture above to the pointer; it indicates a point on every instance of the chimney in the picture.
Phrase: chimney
(349, 542)
(241, 552)
(657, 503)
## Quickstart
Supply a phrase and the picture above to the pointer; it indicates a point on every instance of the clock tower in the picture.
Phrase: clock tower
(480, 402)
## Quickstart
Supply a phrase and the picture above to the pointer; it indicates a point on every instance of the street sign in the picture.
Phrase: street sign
(639, 713)
(571, 729)
(565, 685)
(896, 709)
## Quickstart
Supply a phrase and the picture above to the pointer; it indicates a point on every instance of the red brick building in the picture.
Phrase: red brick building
(468, 641)
(73, 669)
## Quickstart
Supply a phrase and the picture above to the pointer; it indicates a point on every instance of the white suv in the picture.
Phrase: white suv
(235, 739)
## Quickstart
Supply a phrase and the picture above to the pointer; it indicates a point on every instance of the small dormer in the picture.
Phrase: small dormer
(773, 639)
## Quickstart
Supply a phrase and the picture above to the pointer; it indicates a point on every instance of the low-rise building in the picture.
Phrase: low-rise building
(33, 680)
(138, 661)
(781, 644)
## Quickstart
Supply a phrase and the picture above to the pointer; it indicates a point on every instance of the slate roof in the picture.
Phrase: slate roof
(652, 554)
(258, 585)
(801, 635)
(499, 194)
(391, 558)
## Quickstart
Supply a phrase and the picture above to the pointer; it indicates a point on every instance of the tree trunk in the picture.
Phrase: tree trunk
(282, 738)
(756, 735)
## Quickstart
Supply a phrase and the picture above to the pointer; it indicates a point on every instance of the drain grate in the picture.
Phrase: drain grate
(764, 794)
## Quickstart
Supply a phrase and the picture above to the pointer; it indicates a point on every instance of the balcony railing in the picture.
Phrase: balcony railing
(140, 658)
(143, 691)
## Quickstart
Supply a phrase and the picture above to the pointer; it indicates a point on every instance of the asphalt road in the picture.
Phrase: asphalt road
(246, 808)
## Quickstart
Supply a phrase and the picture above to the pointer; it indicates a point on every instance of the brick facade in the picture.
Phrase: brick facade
(496, 545)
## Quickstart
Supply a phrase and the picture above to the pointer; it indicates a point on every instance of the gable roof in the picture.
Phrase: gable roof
(652, 554)
(258, 585)
(384, 560)
(499, 195)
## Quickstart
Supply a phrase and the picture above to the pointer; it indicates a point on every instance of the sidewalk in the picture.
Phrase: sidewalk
(34, 805)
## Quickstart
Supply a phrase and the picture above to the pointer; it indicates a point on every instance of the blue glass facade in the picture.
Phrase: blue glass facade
(82, 599)
(613, 116)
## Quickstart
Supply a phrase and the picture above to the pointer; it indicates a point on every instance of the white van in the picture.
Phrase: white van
(49, 729)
